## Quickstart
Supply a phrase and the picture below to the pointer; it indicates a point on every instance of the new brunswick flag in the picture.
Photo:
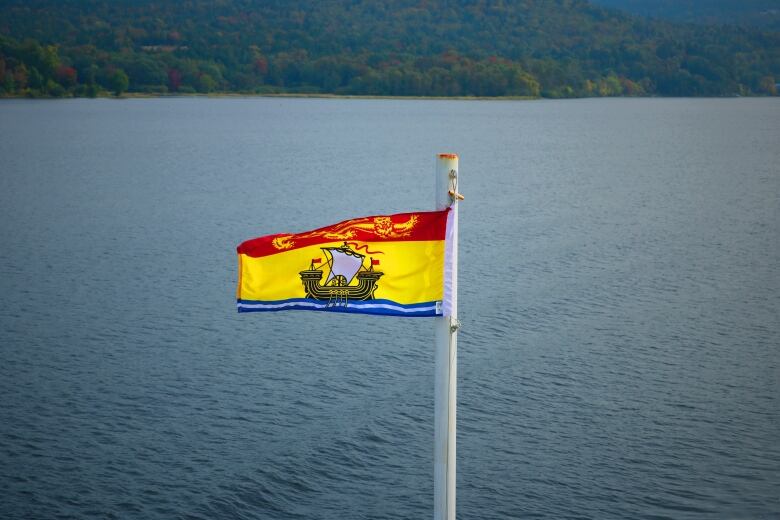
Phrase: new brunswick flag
(395, 265)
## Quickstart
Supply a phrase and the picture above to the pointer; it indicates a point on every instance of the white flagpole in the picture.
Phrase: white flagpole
(446, 357)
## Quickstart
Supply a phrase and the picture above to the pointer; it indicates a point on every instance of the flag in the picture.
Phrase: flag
(387, 264)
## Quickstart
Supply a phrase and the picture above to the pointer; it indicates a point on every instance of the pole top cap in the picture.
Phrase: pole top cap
(448, 156)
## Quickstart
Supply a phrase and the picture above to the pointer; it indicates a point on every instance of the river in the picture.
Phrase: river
(619, 293)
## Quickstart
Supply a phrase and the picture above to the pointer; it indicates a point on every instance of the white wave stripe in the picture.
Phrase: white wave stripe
(357, 305)
(281, 305)
(394, 307)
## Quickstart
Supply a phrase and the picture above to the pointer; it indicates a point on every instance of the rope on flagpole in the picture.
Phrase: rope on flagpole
(453, 191)
(455, 325)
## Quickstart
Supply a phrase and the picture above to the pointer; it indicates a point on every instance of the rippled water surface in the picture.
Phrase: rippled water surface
(620, 294)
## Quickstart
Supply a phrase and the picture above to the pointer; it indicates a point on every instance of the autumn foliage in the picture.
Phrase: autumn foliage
(549, 48)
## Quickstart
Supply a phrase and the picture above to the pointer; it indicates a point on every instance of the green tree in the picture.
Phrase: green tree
(206, 84)
(767, 85)
(54, 89)
(144, 72)
(21, 76)
(35, 79)
(8, 84)
(119, 82)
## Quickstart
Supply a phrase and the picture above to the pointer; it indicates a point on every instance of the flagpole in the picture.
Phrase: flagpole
(446, 356)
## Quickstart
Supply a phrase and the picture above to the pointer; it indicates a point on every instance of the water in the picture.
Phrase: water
(620, 294)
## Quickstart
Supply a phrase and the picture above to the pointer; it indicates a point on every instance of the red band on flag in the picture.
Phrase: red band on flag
(401, 227)
(374, 262)
(316, 260)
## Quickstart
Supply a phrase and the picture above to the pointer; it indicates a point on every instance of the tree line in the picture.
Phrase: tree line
(751, 13)
(528, 48)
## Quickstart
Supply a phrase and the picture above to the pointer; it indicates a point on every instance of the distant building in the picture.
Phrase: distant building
(163, 48)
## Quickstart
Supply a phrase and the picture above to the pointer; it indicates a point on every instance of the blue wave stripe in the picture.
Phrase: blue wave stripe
(379, 307)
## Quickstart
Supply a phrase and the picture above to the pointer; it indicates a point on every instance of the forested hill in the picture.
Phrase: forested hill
(752, 13)
(552, 48)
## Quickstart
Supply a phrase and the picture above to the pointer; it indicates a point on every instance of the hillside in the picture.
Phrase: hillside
(750, 13)
(553, 48)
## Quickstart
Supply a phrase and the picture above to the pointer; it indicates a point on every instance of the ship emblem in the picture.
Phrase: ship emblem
(347, 276)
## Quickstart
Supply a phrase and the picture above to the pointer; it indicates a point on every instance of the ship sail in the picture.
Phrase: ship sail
(344, 262)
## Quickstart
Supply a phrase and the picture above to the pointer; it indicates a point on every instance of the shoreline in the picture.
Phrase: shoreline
(141, 95)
